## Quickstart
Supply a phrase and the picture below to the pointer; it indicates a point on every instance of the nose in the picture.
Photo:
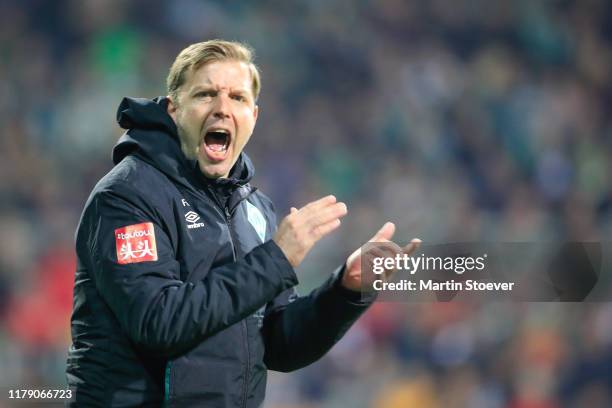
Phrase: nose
(222, 106)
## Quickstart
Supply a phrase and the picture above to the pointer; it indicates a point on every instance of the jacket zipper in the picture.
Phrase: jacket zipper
(245, 328)
(245, 331)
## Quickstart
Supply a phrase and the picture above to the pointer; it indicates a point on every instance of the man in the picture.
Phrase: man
(184, 290)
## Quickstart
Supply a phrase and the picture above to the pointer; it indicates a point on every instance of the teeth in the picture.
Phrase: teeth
(214, 142)
(218, 149)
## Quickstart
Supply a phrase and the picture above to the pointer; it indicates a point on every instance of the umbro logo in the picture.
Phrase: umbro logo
(192, 218)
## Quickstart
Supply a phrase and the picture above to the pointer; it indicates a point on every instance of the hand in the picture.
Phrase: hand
(353, 277)
(301, 229)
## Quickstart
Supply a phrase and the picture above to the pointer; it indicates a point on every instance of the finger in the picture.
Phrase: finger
(324, 229)
(312, 218)
(325, 215)
(412, 246)
(385, 250)
(320, 203)
(311, 209)
(375, 253)
(389, 248)
(385, 233)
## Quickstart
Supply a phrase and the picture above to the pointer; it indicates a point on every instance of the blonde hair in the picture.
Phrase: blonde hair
(202, 53)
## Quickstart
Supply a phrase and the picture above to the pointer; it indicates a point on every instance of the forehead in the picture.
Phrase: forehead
(223, 74)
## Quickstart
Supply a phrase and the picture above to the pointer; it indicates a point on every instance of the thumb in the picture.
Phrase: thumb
(293, 210)
(385, 233)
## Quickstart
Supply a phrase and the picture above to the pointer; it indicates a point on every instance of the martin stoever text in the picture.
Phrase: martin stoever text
(451, 285)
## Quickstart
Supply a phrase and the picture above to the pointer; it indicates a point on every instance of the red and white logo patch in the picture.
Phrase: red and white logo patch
(136, 243)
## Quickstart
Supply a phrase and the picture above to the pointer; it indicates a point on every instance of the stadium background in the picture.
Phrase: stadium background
(460, 120)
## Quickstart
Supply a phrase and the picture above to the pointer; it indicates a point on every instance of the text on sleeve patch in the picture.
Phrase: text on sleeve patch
(136, 243)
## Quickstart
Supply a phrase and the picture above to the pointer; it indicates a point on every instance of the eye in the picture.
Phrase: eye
(204, 94)
(239, 98)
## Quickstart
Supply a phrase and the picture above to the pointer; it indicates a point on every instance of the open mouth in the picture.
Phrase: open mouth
(216, 144)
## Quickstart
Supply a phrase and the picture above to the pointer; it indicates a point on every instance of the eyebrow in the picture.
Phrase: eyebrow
(201, 88)
(210, 87)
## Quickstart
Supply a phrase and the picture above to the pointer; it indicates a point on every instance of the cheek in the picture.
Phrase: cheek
(245, 135)
(191, 112)
(189, 117)
(247, 122)
(189, 130)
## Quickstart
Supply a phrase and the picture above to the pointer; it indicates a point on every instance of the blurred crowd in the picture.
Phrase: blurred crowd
(460, 120)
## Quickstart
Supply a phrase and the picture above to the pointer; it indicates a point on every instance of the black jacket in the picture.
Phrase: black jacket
(192, 302)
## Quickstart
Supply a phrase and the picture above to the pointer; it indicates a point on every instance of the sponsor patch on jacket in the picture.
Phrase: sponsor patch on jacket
(257, 220)
(136, 243)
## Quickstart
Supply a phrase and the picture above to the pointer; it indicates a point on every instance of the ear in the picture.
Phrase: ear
(171, 108)
(255, 113)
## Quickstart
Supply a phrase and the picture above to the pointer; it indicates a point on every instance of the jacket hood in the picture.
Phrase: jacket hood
(152, 135)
